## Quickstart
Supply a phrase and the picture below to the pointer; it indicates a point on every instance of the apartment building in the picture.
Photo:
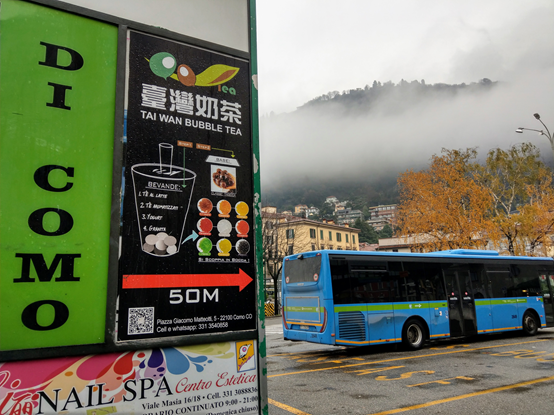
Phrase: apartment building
(388, 212)
(300, 235)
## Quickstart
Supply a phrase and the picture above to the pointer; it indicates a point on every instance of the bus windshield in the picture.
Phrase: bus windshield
(302, 269)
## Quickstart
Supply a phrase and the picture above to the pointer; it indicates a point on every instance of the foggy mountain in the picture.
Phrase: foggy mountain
(354, 144)
(391, 99)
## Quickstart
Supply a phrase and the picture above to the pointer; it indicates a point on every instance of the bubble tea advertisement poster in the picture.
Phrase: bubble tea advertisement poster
(187, 243)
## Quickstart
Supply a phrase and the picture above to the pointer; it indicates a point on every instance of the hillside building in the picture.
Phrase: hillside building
(388, 212)
(348, 216)
(378, 224)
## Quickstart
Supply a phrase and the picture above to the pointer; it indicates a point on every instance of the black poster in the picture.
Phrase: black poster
(187, 238)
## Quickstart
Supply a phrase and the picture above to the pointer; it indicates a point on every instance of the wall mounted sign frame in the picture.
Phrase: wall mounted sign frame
(127, 200)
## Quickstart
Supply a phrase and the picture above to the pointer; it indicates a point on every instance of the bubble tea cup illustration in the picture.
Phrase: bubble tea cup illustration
(162, 197)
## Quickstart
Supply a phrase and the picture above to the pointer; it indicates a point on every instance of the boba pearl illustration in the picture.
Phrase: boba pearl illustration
(224, 208)
(163, 64)
(204, 246)
(205, 226)
(224, 246)
(160, 244)
(242, 210)
(224, 227)
(242, 246)
(242, 228)
(186, 75)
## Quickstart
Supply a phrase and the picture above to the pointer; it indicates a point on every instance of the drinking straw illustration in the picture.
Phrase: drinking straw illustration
(166, 158)
(184, 159)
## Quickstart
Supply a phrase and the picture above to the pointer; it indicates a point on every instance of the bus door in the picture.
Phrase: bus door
(546, 279)
(461, 304)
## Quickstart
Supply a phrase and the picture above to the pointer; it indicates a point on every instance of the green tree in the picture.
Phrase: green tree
(367, 233)
(366, 213)
(386, 232)
(327, 211)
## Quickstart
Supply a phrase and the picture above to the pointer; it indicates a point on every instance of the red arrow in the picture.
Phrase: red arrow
(186, 280)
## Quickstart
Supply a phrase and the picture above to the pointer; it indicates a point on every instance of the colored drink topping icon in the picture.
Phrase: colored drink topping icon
(205, 206)
(224, 246)
(204, 246)
(242, 246)
(242, 228)
(242, 210)
(205, 226)
(224, 208)
(224, 227)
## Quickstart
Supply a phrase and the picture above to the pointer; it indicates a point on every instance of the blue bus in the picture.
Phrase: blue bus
(354, 298)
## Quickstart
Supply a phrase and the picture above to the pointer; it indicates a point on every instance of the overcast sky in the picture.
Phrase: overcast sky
(310, 47)
(307, 48)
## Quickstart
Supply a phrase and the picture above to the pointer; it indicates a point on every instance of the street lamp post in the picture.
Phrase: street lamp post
(547, 134)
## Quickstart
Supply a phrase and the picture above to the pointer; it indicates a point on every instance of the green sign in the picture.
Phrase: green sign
(57, 99)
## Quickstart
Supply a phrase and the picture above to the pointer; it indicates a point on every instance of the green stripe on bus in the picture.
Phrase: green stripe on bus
(411, 306)
(390, 307)
(304, 309)
(501, 302)
(350, 308)
(378, 307)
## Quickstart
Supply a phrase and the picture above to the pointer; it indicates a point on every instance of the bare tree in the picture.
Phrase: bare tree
(282, 235)
(273, 252)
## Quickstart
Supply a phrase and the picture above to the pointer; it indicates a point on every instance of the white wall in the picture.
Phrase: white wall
(224, 22)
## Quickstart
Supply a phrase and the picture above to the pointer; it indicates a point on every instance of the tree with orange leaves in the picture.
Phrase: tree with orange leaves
(443, 207)
(520, 186)
(507, 203)
(536, 219)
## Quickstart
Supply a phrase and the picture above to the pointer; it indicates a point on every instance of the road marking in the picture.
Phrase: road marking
(449, 347)
(406, 375)
(404, 358)
(442, 381)
(374, 370)
(274, 330)
(314, 352)
(287, 408)
(467, 395)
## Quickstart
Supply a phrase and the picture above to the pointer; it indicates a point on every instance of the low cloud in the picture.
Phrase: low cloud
(328, 143)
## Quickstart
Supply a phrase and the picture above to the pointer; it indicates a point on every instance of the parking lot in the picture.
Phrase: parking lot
(495, 374)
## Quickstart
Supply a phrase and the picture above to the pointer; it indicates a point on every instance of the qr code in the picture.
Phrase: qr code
(141, 320)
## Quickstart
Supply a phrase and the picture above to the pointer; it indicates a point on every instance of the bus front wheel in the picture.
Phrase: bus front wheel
(530, 324)
(413, 335)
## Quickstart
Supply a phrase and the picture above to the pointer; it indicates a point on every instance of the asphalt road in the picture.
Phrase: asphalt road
(496, 374)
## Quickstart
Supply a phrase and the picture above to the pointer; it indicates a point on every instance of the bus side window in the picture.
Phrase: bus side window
(395, 281)
(434, 282)
(418, 285)
(501, 281)
(478, 282)
(526, 282)
(341, 282)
